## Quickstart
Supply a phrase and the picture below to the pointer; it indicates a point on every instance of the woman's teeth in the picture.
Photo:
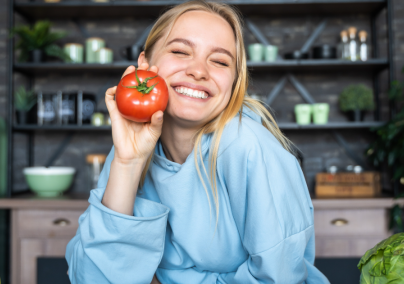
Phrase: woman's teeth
(191, 93)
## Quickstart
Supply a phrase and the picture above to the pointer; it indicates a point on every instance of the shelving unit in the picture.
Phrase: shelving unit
(118, 9)
(370, 67)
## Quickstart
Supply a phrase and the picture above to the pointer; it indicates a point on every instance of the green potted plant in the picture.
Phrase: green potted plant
(388, 149)
(356, 100)
(38, 41)
(23, 101)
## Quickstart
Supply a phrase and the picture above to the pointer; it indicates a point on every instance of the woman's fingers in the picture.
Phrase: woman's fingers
(154, 69)
(156, 124)
(128, 70)
(109, 100)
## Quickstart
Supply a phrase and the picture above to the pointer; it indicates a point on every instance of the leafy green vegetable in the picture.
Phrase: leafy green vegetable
(384, 263)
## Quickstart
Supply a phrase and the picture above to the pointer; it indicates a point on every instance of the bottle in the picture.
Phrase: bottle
(344, 46)
(353, 45)
(363, 50)
(95, 163)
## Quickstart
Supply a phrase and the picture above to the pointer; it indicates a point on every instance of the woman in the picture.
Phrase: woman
(211, 154)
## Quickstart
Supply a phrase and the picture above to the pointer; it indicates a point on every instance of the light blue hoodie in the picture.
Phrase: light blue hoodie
(265, 231)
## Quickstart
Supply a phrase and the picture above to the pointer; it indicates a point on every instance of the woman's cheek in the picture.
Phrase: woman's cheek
(169, 66)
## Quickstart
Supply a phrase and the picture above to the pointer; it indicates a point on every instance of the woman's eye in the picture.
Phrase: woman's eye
(179, 52)
(222, 63)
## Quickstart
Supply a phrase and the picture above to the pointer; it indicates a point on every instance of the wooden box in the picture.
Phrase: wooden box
(365, 184)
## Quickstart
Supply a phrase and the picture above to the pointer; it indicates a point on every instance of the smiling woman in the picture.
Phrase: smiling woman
(150, 218)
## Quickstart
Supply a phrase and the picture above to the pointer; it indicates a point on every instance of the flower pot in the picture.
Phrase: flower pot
(320, 113)
(303, 113)
(36, 56)
(21, 117)
(356, 115)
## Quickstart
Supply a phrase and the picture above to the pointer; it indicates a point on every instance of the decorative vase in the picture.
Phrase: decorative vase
(36, 56)
(303, 113)
(320, 113)
(356, 115)
(21, 117)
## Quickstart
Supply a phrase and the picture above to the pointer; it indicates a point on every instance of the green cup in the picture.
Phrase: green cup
(104, 55)
(270, 53)
(303, 113)
(320, 113)
(92, 45)
(97, 119)
(75, 51)
(256, 52)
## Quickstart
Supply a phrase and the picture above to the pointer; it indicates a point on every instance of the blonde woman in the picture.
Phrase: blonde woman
(208, 192)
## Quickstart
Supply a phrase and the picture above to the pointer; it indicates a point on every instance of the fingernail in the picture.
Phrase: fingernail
(160, 118)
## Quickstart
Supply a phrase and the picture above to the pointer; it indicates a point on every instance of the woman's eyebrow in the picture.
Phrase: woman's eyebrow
(191, 44)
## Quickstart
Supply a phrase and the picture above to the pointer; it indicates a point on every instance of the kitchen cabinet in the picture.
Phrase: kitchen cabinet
(344, 228)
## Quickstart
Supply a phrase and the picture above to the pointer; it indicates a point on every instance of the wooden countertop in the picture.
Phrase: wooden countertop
(79, 201)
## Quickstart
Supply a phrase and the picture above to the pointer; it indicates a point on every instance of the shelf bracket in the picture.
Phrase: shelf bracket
(341, 141)
(256, 32)
(309, 42)
(60, 149)
(82, 29)
(301, 89)
(276, 90)
(298, 86)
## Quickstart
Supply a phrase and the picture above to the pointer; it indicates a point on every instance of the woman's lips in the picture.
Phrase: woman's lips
(192, 86)
(191, 98)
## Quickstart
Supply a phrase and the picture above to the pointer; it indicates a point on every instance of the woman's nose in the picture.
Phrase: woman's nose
(198, 70)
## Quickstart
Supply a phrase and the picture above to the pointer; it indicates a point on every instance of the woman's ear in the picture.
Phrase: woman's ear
(142, 59)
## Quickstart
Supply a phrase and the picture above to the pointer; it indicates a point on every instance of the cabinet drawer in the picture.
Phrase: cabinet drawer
(47, 223)
(345, 246)
(351, 222)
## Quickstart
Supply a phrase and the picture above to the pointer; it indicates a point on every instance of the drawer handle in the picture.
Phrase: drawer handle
(339, 222)
(61, 222)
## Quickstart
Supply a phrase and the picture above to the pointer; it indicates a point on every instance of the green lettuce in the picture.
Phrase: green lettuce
(384, 264)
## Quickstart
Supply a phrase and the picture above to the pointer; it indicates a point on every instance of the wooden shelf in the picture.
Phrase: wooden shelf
(333, 65)
(34, 127)
(119, 9)
(282, 125)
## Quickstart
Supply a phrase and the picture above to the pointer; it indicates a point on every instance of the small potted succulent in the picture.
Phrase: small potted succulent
(37, 42)
(23, 101)
(356, 100)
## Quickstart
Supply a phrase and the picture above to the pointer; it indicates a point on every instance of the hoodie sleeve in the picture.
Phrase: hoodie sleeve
(273, 212)
(110, 247)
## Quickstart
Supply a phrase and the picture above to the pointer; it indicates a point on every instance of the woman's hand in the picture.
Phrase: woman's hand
(133, 141)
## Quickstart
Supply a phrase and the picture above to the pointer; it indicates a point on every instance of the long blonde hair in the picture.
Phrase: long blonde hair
(238, 99)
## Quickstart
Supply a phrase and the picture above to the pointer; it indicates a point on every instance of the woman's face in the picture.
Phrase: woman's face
(198, 62)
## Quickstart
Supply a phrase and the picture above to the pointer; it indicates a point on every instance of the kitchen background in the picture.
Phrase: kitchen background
(319, 147)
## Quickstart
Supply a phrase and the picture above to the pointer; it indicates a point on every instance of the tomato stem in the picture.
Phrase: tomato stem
(142, 86)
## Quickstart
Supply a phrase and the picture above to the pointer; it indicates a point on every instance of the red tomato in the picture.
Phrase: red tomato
(140, 94)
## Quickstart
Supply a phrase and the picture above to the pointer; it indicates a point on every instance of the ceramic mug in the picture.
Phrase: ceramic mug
(104, 55)
(75, 51)
(97, 119)
(92, 45)
(270, 53)
(303, 113)
(320, 113)
(256, 52)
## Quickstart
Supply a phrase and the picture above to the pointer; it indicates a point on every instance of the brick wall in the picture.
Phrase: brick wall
(319, 147)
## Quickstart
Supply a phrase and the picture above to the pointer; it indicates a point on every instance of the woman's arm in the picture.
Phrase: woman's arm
(120, 238)
(111, 247)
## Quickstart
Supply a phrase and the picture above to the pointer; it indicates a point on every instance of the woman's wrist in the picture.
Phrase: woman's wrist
(122, 185)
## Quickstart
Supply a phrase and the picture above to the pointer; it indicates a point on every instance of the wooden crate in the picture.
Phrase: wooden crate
(365, 184)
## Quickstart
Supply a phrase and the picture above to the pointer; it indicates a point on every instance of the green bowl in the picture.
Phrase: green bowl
(49, 182)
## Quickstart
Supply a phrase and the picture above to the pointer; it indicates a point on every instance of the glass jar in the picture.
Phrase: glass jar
(95, 163)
